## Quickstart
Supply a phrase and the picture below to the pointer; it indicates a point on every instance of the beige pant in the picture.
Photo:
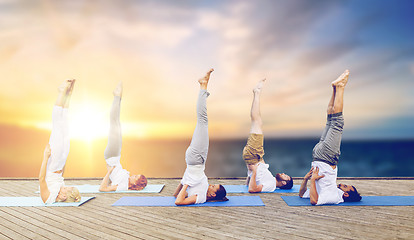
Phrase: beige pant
(253, 151)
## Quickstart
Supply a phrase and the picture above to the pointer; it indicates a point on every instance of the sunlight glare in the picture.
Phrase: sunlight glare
(88, 123)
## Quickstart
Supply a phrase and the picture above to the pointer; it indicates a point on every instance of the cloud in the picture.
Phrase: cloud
(160, 49)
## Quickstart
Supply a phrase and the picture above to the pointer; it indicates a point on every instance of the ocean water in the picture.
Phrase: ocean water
(293, 156)
(21, 157)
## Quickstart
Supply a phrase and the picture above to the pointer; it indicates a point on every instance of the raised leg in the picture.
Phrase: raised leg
(330, 109)
(339, 100)
(113, 148)
(329, 112)
(339, 85)
(62, 92)
(253, 151)
(196, 153)
(68, 94)
(256, 118)
(336, 102)
(66, 137)
(59, 137)
(328, 149)
(204, 81)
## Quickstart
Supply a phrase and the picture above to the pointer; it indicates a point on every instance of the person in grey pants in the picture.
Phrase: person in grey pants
(117, 178)
(194, 187)
(325, 155)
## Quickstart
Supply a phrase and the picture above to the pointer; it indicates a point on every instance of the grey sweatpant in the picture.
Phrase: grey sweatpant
(196, 153)
(328, 148)
(113, 148)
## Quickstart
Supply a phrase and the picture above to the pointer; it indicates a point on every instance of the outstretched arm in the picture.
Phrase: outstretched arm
(253, 187)
(304, 184)
(182, 198)
(44, 190)
(105, 187)
(313, 193)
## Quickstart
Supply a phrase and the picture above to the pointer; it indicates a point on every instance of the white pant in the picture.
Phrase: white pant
(112, 154)
(59, 140)
(113, 148)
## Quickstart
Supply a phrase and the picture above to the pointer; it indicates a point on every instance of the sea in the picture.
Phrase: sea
(21, 156)
(359, 158)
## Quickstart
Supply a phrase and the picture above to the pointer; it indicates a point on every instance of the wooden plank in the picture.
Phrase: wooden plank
(26, 229)
(164, 224)
(63, 221)
(7, 233)
(130, 223)
(106, 224)
(97, 219)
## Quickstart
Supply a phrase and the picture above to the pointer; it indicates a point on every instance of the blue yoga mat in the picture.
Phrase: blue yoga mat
(152, 188)
(245, 189)
(366, 201)
(234, 201)
(37, 202)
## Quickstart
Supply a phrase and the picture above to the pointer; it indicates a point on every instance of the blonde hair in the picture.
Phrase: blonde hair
(73, 196)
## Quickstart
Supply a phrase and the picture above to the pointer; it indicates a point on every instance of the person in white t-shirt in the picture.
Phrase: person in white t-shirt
(324, 170)
(259, 178)
(194, 187)
(117, 178)
(52, 186)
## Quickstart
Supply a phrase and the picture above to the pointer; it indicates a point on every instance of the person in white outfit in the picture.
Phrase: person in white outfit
(52, 186)
(117, 178)
(324, 170)
(259, 178)
(194, 187)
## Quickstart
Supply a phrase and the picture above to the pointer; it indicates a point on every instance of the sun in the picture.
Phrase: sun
(88, 122)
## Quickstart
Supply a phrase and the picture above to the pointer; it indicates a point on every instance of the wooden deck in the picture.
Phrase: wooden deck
(96, 219)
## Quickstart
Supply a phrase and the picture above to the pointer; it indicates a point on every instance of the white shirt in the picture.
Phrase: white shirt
(328, 192)
(54, 182)
(264, 177)
(197, 182)
(119, 176)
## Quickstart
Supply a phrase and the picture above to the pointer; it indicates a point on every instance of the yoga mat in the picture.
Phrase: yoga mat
(245, 189)
(366, 201)
(37, 202)
(152, 188)
(234, 201)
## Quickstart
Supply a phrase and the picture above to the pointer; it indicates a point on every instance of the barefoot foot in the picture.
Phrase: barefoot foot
(204, 81)
(258, 88)
(63, 91)
(341, 80)
(69, 91)
(72, 84)
(64, 86)
(118, 90)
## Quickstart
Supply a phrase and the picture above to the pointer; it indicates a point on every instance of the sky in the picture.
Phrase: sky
(160, 48)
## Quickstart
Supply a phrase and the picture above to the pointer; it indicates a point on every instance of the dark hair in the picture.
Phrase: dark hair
(353, 196)
(220, 194)
(288, 185)
(140, 184)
